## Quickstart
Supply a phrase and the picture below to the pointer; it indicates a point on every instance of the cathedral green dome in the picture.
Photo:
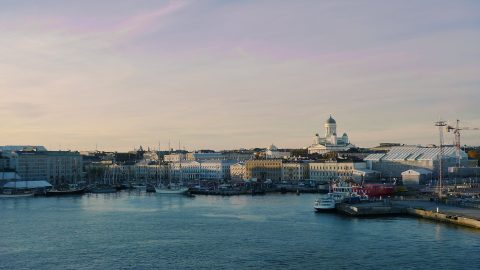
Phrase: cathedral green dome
(330, 120)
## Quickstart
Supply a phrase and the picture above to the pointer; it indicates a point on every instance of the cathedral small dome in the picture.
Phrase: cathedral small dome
(272, 148)
(330, 120)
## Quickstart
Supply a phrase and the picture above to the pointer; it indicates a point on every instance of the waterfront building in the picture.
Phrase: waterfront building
(415, 177)
(146, 173)
(207, 170)
(264, 169)
(333, 170)
(403, 158)
(137, 173)
(56, 167)
(330, 142)
(4, 163)
(295, 171)
(238, 171)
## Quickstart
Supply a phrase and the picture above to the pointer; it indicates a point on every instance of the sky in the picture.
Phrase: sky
(113, 75)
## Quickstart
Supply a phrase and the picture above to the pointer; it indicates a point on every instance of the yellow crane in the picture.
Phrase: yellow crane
(456, 131)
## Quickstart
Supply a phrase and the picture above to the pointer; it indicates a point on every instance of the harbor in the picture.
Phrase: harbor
(134, 229)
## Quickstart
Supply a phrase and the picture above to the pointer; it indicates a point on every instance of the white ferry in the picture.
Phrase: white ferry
(340, 192)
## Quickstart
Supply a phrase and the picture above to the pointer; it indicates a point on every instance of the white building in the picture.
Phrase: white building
(272, 152)
(56, 167)
(403, 158)
(416, 177)
(331, 142)
(238, 171)
(175, 157)
(294, 171)
(326, 171)
(207, 170)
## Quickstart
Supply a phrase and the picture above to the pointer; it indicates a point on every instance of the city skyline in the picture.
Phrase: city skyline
(225, 75)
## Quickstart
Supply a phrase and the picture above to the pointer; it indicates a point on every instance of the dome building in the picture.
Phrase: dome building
(331, 142)
(273, 152)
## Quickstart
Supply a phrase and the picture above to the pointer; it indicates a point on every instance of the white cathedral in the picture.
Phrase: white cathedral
(331, 142)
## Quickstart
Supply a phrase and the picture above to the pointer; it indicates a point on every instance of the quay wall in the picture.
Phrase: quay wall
(458, 220)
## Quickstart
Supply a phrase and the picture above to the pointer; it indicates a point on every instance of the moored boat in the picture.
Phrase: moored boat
(150, 188)
(325, 203)
(140, 187)
(9, 193)
(78, 191)
(171, 189)
(103, 189)
(340, 192)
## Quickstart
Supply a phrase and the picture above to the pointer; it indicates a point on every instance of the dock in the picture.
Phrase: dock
(469, 217)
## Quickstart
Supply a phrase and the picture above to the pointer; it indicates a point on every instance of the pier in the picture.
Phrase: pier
(469, 217)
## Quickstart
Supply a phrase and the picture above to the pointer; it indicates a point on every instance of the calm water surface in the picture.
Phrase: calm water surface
(143, 231)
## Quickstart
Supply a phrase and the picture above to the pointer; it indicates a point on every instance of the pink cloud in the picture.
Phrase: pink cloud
(145, 22)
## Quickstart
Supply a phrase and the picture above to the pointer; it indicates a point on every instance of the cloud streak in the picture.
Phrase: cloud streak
(148, 21)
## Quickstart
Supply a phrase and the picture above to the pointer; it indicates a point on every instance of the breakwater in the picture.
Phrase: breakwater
(468, 217)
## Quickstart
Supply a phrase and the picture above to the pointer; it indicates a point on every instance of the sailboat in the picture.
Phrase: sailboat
(71, 189)
(16, 193)
(106, 186)
(172, 188)
(68, 191)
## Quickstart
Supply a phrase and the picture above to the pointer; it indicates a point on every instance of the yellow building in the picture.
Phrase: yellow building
(264, 169)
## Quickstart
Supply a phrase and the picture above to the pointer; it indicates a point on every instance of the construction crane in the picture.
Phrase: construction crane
(456, 131)
(440, 125)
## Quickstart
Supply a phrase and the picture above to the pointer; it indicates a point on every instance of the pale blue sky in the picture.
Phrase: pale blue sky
(231, 74)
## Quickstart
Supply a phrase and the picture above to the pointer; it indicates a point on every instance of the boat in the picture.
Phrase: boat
(103, 188)
(325, 203)
(140, 187)
(10, 193)
(55, 192)
(340, 192)
(150, 188)
(70, 189)
(17, 192)
(171, 189)
(108, 185)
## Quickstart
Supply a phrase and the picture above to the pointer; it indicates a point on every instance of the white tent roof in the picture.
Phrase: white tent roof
(28, 184)
(412, 153)
(417, 172)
